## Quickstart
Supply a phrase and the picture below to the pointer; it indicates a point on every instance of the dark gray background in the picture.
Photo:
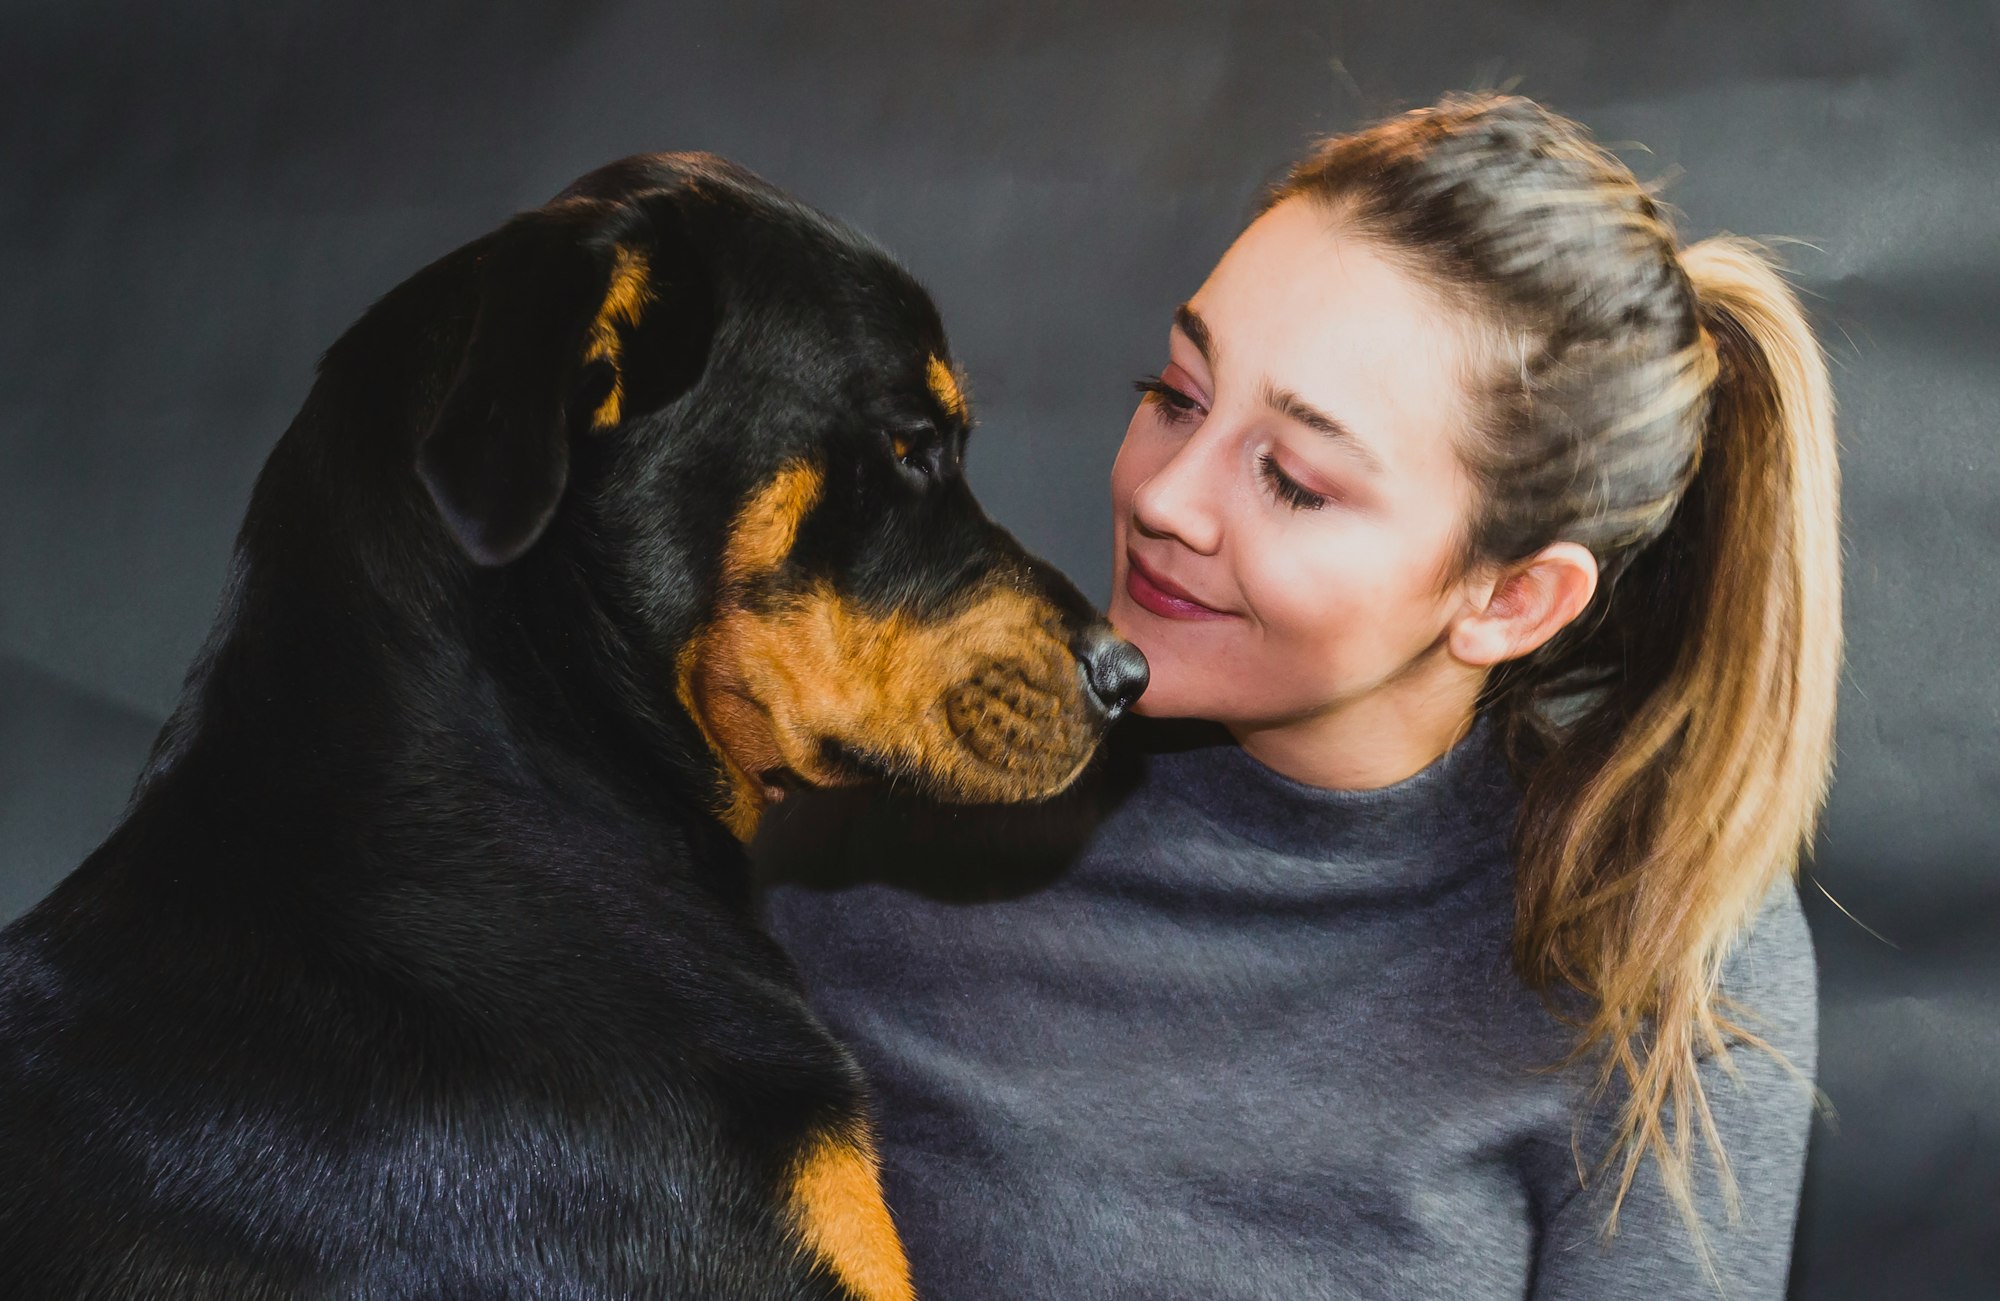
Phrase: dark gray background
(197, 199)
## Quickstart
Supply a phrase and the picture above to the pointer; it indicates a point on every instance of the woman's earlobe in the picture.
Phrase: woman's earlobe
(1481, 640)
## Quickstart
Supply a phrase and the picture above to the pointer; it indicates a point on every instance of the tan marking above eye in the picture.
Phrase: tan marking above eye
(945, 387)
(629, 292)
(837, 1208)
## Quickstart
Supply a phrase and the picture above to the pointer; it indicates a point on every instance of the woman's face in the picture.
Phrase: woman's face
(1287, 499)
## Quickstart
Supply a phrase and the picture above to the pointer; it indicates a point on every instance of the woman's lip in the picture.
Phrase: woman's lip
(1151, 592)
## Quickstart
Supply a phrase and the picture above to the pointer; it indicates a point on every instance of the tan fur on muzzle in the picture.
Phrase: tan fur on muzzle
(983, 703)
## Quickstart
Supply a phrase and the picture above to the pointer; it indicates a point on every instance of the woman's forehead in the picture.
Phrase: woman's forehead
(1300, 304)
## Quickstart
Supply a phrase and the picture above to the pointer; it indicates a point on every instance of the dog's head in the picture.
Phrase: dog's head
(742, 420)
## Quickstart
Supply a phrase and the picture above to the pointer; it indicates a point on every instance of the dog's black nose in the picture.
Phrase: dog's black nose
(1115, 670)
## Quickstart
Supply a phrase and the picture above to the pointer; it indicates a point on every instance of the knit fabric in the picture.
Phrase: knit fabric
(1203, 1031)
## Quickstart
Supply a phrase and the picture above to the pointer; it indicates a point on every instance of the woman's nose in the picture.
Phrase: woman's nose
(1182, 499)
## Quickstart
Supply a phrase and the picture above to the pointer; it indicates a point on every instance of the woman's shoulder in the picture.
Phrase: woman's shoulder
(1775, 945)
(1770, 977)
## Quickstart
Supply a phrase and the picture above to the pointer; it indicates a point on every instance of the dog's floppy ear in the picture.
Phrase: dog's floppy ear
(556, 289)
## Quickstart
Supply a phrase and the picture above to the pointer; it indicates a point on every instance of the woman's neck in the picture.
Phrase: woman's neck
(1374, 740)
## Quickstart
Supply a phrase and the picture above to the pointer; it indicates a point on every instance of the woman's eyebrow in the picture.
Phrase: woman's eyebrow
(1293, 407)
(1189, 322)
(1281, 400)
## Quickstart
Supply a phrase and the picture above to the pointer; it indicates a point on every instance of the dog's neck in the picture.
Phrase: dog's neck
(427, 726)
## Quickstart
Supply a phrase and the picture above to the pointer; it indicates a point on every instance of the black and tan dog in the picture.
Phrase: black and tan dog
(422, 963)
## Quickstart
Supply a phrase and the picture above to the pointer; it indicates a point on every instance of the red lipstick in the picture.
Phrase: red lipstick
(1151, 592)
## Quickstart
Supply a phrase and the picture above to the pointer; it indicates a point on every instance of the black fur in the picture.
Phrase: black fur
(419, 964)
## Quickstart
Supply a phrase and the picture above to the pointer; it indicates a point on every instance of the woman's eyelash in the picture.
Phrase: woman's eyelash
(1177, 407)
(1288, 489)
(1173, 404)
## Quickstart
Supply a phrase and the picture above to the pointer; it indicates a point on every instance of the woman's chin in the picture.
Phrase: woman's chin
(1162, 697)
(1166, 703)
(1175, 694)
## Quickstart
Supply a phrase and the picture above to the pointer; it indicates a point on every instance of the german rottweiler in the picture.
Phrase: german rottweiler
(423, 962)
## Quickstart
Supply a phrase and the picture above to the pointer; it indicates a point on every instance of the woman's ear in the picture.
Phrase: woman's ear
(1528, 603)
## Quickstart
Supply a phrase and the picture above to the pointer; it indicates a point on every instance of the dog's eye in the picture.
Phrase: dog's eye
(916, 447)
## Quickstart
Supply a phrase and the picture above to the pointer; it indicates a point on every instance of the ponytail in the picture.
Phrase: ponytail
(1669, 409)
(1657, 821)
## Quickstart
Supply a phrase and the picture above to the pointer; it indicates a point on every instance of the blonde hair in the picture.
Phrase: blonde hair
(1669, 408)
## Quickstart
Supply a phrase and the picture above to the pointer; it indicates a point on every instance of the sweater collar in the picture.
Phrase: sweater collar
(1389, 835)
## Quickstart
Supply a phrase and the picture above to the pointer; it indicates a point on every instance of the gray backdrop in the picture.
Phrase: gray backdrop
(198, 198)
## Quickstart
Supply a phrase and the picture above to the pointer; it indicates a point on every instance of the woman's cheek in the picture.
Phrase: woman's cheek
(1302, 584)
(1334, 612)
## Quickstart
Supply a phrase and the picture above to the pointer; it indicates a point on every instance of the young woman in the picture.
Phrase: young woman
(1493, 533)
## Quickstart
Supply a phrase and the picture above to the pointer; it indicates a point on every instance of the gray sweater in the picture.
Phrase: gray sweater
(1203, 1031)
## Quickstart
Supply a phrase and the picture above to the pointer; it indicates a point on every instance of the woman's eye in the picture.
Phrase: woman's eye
(1288, 490)
(1174, 406)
